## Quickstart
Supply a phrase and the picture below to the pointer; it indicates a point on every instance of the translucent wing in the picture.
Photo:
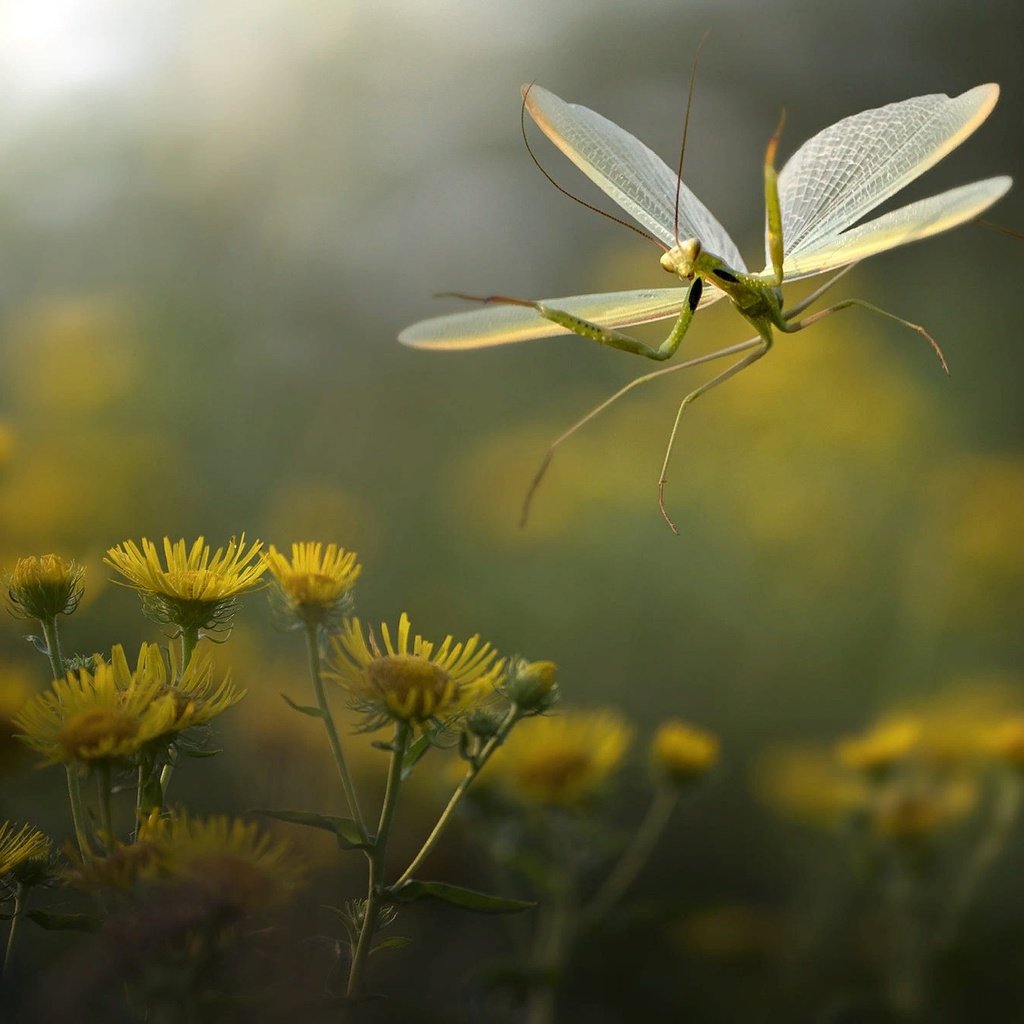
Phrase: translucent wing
(907, 224)
(503, 324)
(623, 167)
(845, 171)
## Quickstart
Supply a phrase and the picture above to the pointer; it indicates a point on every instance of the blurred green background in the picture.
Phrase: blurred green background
(218, 215)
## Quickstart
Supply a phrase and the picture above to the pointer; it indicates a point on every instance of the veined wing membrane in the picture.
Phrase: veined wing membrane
(907, 224)
(634, 176)
(849, 168)
(504, 324)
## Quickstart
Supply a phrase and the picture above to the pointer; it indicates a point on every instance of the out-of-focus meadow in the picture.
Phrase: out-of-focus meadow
(217, 216)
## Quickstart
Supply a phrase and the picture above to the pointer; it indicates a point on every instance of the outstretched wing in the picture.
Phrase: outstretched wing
(845, 171)
(907, 224)
(503, 324)
(635, 177)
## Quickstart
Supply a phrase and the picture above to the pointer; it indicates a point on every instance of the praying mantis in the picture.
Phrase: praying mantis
(813, 209)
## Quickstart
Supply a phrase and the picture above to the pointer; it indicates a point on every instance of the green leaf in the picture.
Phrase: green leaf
(468, 899)
(303, 709)
(415, 752)
(64, 922)
(395, 942)
(200, 753)
(345, 830)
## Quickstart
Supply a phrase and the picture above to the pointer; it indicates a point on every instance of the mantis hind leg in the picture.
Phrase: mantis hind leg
(741, 364)
(792, 327)
(600, 408)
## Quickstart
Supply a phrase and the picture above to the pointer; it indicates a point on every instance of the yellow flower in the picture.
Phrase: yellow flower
(88, 717)
(1007, 742)
(560, 760)
(231, 859)
(411, 682)
(883, 745)
(193, 589)
(804, 782)
(44, 587)
(681, 752)
(316, 585)
(196, 697)
(21, 848)
(913, 813)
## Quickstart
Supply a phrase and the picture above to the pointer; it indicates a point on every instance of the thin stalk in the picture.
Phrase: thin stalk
(189, 642)
(313, 652)
(376, 858)
(636, 854)
(103, 798)
(472, 771)
(1005, 809)
(20, 893)
(165, 776)
(554, 936)
(52, 637)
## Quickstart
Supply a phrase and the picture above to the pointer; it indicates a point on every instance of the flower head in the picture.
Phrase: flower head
(194, 588)
(562, 760)
(24, 852)
(196, 696)
(43, 587)
(411, 681)
(88, 717)
(230, 858)
(316, 585)
(532, 685)
(681, 753)
(881, 747)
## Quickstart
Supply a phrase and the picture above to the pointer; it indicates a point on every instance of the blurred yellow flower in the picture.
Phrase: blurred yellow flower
(560, 760)
(16, 687)
(43, 587)
(7, 444)
(1007, 741)
(87, 717)
(229, 858)
(681, 752)
(20, 846)
(196, 589)
(806, 783)
(315, 584)
(412, 682)
(883, 745)
(916, 811)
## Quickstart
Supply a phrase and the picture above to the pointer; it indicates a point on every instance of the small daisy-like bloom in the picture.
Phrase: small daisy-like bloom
(23, 850)
(881, 747)
(196, 696)
(681, 753)
(44, 587)
(230, 858)
(193, 588)
(87, 717)
(563, 760)
(408, 680)
(316, 584)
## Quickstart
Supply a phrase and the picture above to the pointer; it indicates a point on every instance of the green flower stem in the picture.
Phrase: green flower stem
(1005, 810)
(636, 854)
(553, 939)
(52, 637)
(189, 642)
(20, 893)
(376, 857)
(77, 817)
(510, 719)
(103, 796)
(313, 651)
